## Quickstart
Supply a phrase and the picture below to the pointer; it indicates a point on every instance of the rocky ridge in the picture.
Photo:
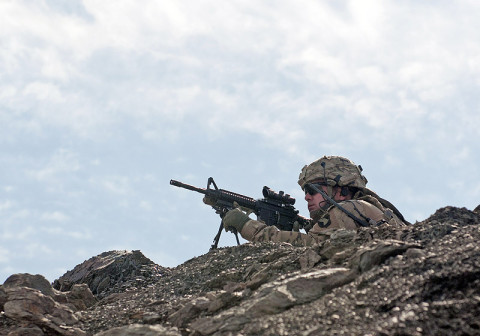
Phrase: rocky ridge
(418, 280)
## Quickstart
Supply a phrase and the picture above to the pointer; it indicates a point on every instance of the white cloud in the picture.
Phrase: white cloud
(62, 161)
(7, 92)
(116, 184)
(6, 205)
(249, 89)
(55, 216)
(5, 255)
(356, 54)
(146, 205)
(25, 233)
(84, 234)
(37, 250)
(21, 214)
(43, 91)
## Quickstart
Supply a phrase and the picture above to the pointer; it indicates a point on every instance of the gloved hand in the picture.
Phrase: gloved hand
(235, 219)
(209, 201)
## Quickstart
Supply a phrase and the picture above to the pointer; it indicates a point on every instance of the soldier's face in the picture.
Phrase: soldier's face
(315, 202)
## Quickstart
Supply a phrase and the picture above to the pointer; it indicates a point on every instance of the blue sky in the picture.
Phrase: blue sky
(103, 102)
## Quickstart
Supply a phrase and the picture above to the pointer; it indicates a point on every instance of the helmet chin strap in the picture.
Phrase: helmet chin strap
(325, 204)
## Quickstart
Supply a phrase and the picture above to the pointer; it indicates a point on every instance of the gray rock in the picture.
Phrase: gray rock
(112, 272)
(80, 297)
(140, 330)
(477, 209)
(30, 306)
(3, 297)
(309, 259)
(36, 281)
(423, 279)
(376, 252)
(190, 311)
(29, 330)
(281, 295)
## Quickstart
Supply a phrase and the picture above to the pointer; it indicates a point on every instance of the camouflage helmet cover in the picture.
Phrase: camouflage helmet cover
(337, 170)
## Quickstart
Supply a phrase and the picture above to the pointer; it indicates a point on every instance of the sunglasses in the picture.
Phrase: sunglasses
(309, 190)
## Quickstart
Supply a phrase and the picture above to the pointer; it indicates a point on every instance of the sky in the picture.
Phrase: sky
(103, 102)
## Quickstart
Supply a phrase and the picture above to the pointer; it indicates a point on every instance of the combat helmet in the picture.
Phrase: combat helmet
(333, 171)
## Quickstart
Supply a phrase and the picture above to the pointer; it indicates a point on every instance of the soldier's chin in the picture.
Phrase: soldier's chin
(316, 214)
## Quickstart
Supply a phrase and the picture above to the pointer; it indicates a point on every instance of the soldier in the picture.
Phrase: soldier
(339, 199)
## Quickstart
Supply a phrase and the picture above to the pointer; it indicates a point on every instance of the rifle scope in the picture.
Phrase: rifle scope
(280, 196)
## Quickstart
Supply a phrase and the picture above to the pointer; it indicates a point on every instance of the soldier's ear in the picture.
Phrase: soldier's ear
(344, 191)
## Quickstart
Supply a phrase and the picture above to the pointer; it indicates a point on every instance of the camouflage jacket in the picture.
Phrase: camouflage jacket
(367, 208)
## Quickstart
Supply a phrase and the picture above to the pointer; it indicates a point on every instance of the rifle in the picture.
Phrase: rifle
(274, 209)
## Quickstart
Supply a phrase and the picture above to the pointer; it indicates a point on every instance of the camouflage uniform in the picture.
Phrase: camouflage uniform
(331, 171)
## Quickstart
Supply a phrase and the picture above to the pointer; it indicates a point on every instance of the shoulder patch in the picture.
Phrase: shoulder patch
(324, 222)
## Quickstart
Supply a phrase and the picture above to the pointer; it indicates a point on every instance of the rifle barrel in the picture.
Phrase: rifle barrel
(186, 186)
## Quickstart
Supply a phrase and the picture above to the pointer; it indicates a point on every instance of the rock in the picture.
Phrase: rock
(281, 295)
(376, 252)
(223, 300)
(29, 330)
(414, 280)
(3, 297)
(191, 310)
(140, 330)
(80, 297)
(35, 306)
(309, 259)
(274, 298)
(112, 272)
(27, 305)
(477, 209)
(36, 281)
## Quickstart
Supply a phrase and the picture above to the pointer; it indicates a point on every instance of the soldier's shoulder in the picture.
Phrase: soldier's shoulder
(356, 205)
